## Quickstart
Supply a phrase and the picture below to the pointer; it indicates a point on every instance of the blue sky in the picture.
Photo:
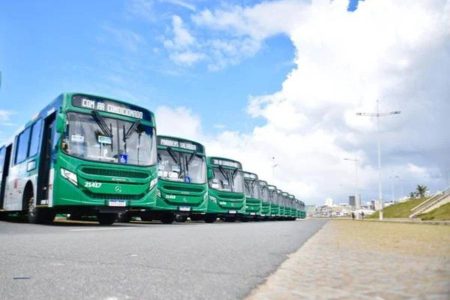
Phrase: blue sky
(253, 80)
(48, 47)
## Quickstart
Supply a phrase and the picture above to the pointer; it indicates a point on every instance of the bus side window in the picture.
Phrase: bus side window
(22, 146)
(35, 138)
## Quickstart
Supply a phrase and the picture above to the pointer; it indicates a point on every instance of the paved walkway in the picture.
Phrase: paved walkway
(366, 260)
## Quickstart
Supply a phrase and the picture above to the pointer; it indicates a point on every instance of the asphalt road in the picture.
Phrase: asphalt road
(144, 261)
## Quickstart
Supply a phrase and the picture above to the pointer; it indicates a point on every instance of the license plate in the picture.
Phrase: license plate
(231, 211)
(252, 214)
(117, 203)
(185, 208)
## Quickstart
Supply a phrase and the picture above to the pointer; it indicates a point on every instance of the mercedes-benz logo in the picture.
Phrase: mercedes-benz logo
(118, 189)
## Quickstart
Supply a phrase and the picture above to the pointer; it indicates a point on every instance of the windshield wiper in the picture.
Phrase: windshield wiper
(178, 162)
(101, 123)
(227, 177)
(131, 130)
(188, 161)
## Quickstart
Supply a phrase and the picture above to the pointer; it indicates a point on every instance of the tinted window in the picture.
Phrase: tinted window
(22, 145)
(35, 138)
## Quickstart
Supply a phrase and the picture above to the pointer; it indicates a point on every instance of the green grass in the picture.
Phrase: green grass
(440, 213)
(399, 210)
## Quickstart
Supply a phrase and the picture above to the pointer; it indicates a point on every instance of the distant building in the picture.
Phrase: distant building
(351, 201)
(329, 202)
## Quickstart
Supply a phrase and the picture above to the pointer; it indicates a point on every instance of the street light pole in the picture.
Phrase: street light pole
(274, 165)
(357, 200)
(378, 115)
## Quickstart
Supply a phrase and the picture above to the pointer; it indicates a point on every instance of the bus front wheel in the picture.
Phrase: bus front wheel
(168, 218)
(39, 215)
(210, 218)
(106, 218)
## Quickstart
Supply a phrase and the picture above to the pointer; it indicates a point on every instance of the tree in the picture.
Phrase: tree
(421, 190)
(412, 195)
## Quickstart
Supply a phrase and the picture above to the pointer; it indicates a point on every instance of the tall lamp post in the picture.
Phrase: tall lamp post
(357, 200)
(274, 165)
(378, 115)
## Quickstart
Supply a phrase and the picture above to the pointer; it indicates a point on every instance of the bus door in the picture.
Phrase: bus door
(5, 157)
(45, 159)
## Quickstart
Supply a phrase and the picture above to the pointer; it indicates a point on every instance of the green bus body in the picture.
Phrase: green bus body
(88, 154)
(226, 197)
(292, 210)
(265, 199)
(182, 184)
(252, 195)
(274, 208)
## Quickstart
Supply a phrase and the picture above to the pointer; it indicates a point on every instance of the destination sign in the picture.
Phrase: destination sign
(99, 104)
(250, 176)
(179, 144)
(226, 163)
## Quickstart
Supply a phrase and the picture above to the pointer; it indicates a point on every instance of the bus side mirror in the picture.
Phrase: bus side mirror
(210, 174)
(60, 123)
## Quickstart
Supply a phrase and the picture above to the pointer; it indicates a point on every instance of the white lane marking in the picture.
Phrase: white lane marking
(100, 229)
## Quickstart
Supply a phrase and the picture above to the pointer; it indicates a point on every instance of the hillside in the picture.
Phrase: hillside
(399, 210)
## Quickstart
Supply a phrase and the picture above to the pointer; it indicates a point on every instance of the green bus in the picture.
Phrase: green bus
(265, 199)
(285, 212)
(252, 191)
(80, 155)
(182, 186)
(274, 208)
(279, 199)
(226, 197)
(302, 214)
(293, 209)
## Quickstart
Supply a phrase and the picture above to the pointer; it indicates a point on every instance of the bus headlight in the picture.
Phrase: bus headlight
(72, 177)
(153, 182)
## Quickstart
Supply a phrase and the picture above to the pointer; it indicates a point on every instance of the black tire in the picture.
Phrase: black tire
(106, 218)
(75, 216)
(181, 219)
(34, 214)
(196, 217)
(146, 217)
(124, 218)
(210, 218)
(167, 218)
(230, 219)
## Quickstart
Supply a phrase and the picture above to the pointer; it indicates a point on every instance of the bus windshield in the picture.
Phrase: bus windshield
(263, 191)
(181, 166)
(251, 188)
(226, 179)
(92, 137)
(272, 195)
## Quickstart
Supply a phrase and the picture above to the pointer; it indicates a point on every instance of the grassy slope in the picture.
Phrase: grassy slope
(440, 213)
(399, 210)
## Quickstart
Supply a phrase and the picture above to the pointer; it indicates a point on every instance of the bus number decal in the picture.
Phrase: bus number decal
(92, 184)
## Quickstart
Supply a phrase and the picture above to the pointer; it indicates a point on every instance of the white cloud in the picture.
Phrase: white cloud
(182, 45)
(398, 52)
(5, 117)
(179, 122)
(183, 4)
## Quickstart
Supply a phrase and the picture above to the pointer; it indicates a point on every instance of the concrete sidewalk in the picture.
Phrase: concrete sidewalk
(365, 260)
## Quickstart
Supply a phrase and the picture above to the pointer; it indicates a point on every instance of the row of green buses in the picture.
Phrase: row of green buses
(87, 156)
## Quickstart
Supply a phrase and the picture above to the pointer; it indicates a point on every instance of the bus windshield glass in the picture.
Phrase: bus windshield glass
(263, 191)
(181, 166)
(225, 179)
(251, 188)
(93, 137)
